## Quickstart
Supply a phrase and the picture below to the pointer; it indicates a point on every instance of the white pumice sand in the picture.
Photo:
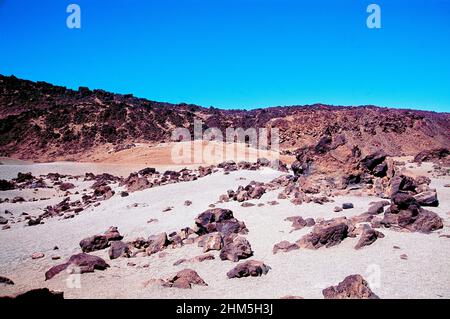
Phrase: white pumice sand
(424, 274)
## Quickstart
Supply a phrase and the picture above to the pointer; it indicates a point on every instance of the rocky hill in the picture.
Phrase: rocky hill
(41, 121)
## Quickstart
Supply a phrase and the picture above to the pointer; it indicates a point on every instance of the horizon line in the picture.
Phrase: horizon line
(242, 109)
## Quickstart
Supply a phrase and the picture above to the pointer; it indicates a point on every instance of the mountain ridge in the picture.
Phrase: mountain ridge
(39, 120)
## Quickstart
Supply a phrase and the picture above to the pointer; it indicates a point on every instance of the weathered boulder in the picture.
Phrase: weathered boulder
(428, 198)
(377, 208)
(375, 164)
(113, 234)
(135, 183)
(431, 155)
(98, 242)
(284, 246)
(327, 233)
(297, 222)
(252, 268)
(84, 262)
(212, 242)
(368, 237)
(157, 243)
(235, 248)
(184, 279)
(93, 243)
(352, 287)
(6, 185)
(6, 281)
(118, 249)
(221, 220)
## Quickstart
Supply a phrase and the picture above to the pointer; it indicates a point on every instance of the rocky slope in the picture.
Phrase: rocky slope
(41, 121)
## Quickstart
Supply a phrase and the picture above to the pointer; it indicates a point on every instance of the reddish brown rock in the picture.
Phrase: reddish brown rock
(84, 262)
(368, 237)
(431, 155)
(118, 249)
(156, 243)
(352, 287)
(428, 198)
(252, 268)
(93, 243)
(284, 246)
(135, 183)
(212, 242)
(327, 233)
(221, 220)
(377, 208)
(113, 234)
(37, 255)
(184, 279)
(235, 248)
(297, 222)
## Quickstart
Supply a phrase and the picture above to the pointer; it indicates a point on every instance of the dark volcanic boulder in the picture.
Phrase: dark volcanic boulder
(84, 262)
(184, 279)
(430, 155)
(6, 185)
(5, 281)
(428, 198)
(402, 201)
(426, 222)
(118, 249)
(157, 243)
(375, 164)
(352, 287)
(368, 237)
(93, 243)
(98, 242)
(377, 208)
(236, 248)
(252, 268)
(113, 234)
(327, 233)
(40, 294)
(219, 219)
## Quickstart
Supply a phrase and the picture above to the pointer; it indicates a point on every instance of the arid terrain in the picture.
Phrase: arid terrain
(354, 204)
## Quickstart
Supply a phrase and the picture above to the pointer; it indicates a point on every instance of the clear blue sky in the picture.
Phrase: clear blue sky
(236, 53)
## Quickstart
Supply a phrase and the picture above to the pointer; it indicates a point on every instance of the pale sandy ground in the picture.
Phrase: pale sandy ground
(426, 273)
(163, 156)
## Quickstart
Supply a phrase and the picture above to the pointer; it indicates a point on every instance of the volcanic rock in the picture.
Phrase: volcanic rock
(428, 198)
(284, 246)
(235, 248)
(93, 243)
(368, 237)
(118, 249)
(184, 279)
(156, 243)
(352, 287)
(84, 262)
(6, 281)
(40, 294)
(252, 268)
(327, 233)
